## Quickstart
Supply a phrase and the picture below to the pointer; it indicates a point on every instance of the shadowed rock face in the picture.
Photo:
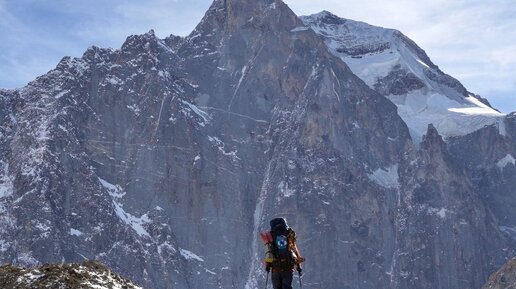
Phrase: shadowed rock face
(165, 159)
(439, 195)
(488, 157)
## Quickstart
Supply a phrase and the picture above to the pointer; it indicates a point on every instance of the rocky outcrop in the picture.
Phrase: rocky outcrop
(436, 193)
(505, 278)
(488, 155)
(86, 275)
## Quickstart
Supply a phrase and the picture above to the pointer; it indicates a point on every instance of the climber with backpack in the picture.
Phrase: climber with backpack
(281, 254)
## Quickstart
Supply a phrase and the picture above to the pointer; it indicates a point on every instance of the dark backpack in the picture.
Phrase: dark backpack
(281, 240)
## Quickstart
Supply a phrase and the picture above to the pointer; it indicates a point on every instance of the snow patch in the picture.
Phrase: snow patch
(102, 280)
(284, 190)
(166, 246)
(215, 140)
(164, 74)
(75, 232)
(61, 94)
(371, 67)
(508, 159)
(510, 231)
(114, 80)
(422, 63)
(418, 109)
(189, 255)
(114, 191)
(477, 108)
(165, 47)
(501, 127)
(221, 146)
(301, 28)
(134, 108)
(136, 223)
(204, 115)
(439, 212)
(6, 184)
(387, 178)
(29, 277)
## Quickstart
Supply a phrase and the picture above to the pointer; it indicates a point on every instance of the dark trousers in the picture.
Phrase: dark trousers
(282, 279)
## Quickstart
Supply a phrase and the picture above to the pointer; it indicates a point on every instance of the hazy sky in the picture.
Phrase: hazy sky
(472, 40)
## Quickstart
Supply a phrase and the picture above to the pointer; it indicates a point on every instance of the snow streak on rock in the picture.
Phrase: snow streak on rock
(136, 223)
(387, 178)
(508, 159)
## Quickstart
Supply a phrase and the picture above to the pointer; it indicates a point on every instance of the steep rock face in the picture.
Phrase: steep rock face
(436, 193)
(271, 71)
(395, 66)
(166, 157)
(505, 278)
(59, 203)
(139, 156)
(489, 158)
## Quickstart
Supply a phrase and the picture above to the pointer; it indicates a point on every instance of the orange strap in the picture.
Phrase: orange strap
(295, 249)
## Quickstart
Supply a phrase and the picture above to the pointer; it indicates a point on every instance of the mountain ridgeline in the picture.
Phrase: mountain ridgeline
(165, 158)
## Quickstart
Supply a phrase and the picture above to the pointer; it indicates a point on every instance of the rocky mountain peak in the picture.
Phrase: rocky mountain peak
(432, 135)
(433, 144)
(328, 18)
(405, 74)
(234, 15)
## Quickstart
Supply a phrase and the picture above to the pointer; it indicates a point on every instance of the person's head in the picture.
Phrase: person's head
(278, 224)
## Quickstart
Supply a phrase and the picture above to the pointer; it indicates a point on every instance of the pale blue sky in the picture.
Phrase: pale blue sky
(472, 40)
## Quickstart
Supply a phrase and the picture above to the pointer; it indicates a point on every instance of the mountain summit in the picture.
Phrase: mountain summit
(392, 64)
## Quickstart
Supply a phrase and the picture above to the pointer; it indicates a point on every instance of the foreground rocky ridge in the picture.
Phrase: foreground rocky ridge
(505, 278)
(86, 275)
(166, 157)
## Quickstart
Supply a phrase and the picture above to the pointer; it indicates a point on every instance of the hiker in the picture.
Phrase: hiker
(282, 254)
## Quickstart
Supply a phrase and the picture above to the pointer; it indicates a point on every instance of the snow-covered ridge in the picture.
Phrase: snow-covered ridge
(392, 64)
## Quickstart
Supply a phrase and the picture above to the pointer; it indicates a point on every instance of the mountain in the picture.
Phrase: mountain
(166, 157)
(90, 274)
(479, 137)
(393, 65)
